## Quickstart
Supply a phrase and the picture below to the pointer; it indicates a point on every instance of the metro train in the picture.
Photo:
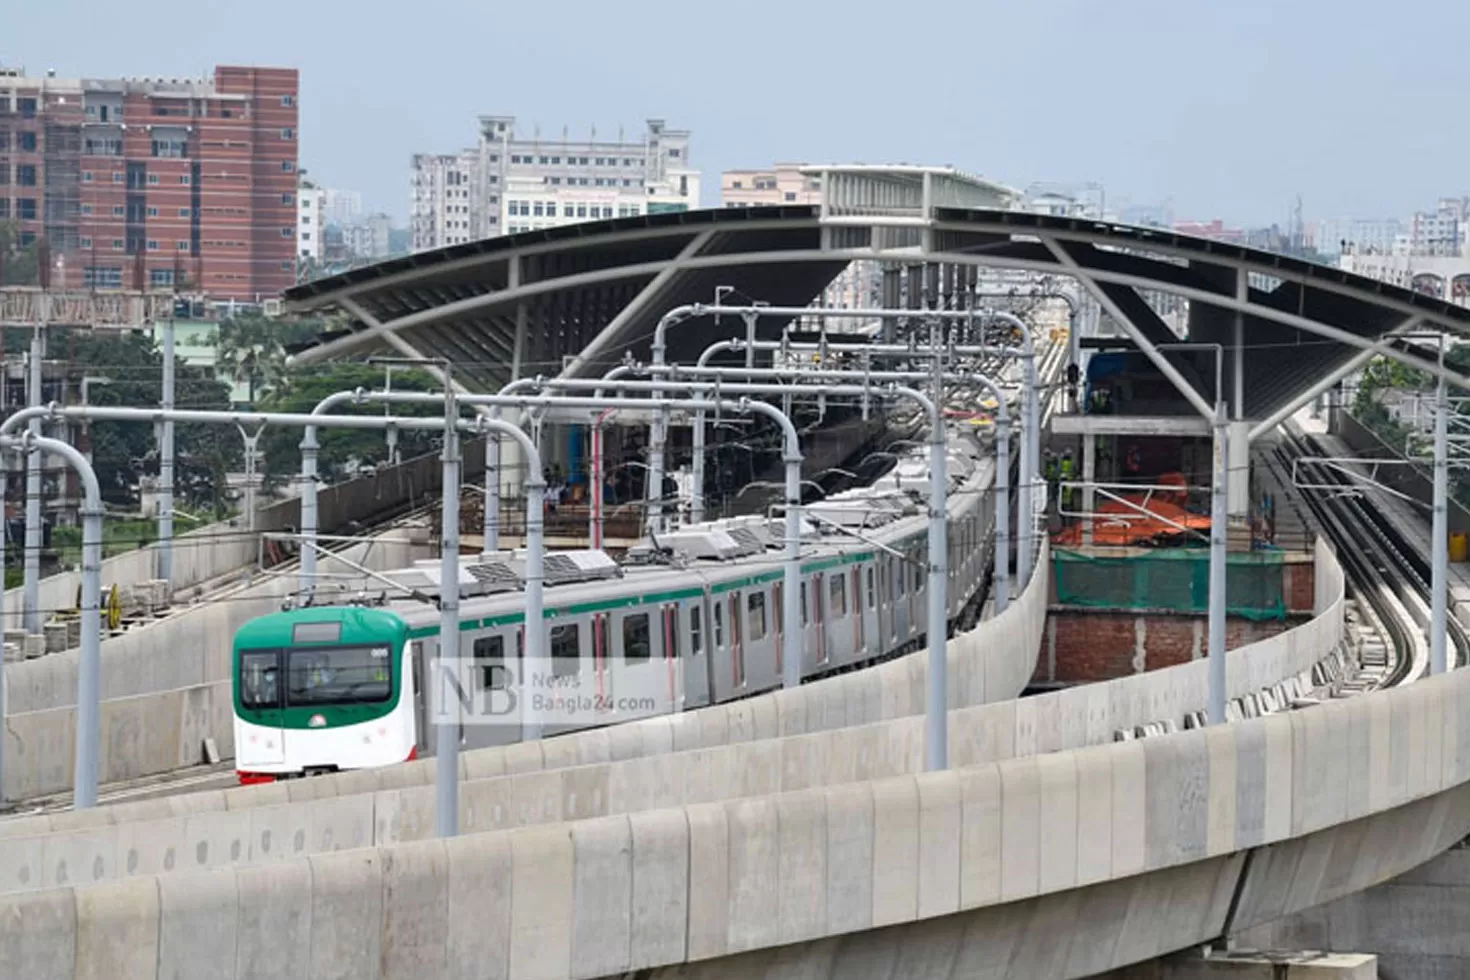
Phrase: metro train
(692, 618)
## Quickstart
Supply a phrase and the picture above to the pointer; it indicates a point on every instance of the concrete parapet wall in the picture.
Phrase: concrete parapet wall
(1136, 845)
(602, 773)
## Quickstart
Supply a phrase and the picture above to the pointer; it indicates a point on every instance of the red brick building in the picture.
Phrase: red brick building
(155, 183)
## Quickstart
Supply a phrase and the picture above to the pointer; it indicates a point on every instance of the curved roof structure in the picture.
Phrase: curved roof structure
(575, 298)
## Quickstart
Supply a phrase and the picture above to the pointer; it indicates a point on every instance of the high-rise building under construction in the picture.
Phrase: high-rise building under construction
(154, 183)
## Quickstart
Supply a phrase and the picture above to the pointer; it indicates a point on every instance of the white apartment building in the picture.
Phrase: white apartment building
(540, 183)
(509, 183)
(445, 207)
(368, 238)
(342, 207)
(310, 223)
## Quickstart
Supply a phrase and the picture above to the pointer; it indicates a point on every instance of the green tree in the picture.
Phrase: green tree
(123, 451)
(18, 263)
(342, 450)
(252, 350)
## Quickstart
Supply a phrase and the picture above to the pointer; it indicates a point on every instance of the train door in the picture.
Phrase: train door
(737, 649)
(883, 615)
(819, 582)
(777, 594)
(859, 610)
(601, 650)
(420, 701)
(700, 676)
(640, 673)
(262, 686)
(669, 616)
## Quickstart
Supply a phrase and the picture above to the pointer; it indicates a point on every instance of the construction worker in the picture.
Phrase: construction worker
(1067, 473)
(1052, 473)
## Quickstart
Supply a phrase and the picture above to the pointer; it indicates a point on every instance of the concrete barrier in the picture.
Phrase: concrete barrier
(797, 867)
(507, 793)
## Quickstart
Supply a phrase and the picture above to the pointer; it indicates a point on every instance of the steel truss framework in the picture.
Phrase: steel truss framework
(574, 299)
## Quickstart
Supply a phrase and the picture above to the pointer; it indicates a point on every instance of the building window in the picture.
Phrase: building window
(107, 277)
(551, 209)
(86, 209)
(152, 212)
(288, 133)
(581, 210)
(152, 246)
(160, 277)
(117, 244)
(25, 208)
(288, 100)
(182, 246)
(153, 178)
(288, 198)
(791, 195)
(117, 211)
(306, 219)
(288, 232)
(494, 158)
(117, 177)
(168, 148)
(26, 142)
(306, 236)
(494, 179)
(84, 242)
(288, 166)
(674, 153)
(183, 212)
(555, 180)
(86, 176)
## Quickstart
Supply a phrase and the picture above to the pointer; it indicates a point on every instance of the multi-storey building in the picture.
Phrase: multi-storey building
(782, 184)
(342, 207)
(145, 183)
(369, 238)
(311, 222)
(508, 183)
(446, 208)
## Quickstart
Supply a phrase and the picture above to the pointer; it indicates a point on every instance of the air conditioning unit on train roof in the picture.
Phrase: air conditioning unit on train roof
(702, 542)
(751, 530)
(565, 567)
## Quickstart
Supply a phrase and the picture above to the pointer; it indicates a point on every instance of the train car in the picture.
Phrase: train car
(694, 621)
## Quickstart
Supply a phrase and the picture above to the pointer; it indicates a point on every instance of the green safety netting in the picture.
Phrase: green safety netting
(1170, 579)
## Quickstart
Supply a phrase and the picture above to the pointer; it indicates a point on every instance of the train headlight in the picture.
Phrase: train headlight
(317, 721)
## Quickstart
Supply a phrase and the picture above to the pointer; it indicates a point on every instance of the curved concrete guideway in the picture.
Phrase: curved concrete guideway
(498, 800)
(1137, 844)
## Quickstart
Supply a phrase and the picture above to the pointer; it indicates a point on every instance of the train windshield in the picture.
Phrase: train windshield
(260, 679)
(339, 675)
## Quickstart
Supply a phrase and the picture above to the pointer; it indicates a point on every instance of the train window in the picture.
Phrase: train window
(900, 577)
(339, 675)
(566, 650)
(489, 654)
(260, 683)
(719, 625)
(637, 644)
(756, 606)
(696, 630)
(804, 617)
(837, 591)
(872, 590)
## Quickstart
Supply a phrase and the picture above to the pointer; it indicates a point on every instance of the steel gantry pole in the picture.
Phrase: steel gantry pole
(166, 461)
(1439, 573)
(32, 557)
(1219, 515)
(89, 663)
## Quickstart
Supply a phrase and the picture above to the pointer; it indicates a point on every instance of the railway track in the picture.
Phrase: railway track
(1387, 575)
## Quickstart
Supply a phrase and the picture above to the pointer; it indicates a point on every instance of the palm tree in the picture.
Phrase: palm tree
(250, 350)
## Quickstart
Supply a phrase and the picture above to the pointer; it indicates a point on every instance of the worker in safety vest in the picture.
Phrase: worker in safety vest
(1051, 471)
(1067, 473)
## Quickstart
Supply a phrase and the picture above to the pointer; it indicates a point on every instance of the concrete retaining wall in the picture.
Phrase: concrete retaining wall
(1336, 797)
(614, 774)
(165, 687)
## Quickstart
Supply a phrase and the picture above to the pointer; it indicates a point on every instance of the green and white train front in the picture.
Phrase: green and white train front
(318, 690)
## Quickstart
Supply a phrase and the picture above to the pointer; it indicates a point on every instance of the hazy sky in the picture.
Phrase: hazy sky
(1225, 107)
